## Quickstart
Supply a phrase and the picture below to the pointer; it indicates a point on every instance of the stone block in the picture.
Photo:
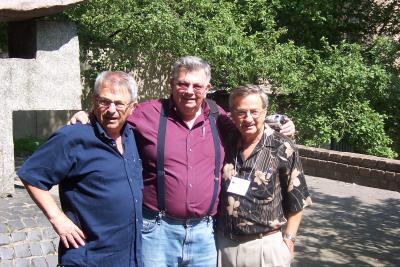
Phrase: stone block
(393, 165)
(364, 172)
(390, 176)
(52, 260)
(23, 263)
(47, 247)
(381, 165)
(324, 155)
(355, 161)
(369, 162)
(22, 251)
(5, 239)
(15, 225)
(3, 228)
(36, 249)
(39, 262)
(34, 235)
(346, 158)
(327, 170)
(18, 236)
(6, 253)
(6, 263)
(43, 221)
(29, 223)
(377, 174)
(335, 157)
(49, 233)
(16, 10)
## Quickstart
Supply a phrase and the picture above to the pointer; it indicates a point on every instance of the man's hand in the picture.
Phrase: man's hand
(290, 245)
(69, 233)
(80, 116)
(288, 128)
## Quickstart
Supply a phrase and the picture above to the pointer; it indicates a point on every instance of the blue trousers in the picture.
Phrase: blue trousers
(174, 242)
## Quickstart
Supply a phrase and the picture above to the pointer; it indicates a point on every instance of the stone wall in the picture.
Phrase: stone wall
(351, 167)
(50, 81)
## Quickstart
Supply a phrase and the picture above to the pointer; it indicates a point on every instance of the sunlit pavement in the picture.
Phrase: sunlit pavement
(349, 225)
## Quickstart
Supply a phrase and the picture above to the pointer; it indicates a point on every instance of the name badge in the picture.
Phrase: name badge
(238, 186)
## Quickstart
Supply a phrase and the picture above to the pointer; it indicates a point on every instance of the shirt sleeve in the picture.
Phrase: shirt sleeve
(296, 195)
(50, 164)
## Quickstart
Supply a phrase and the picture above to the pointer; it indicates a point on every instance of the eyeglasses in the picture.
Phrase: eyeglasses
(184, 86)
(106, 103)
(255, 114)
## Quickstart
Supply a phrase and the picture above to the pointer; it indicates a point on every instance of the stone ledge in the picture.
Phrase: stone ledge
(349, 167)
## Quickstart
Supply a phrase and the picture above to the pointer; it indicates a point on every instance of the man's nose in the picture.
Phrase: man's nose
(112, 108)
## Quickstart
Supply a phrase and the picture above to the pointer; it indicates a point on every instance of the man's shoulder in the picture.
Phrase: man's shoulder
(78, 130)
(281, 139)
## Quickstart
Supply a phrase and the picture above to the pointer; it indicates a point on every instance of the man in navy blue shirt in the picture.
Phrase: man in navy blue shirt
(99, 174)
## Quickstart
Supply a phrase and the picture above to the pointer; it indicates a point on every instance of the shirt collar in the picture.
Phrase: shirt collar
(102, 133)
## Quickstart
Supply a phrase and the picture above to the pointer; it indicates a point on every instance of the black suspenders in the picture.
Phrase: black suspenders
(213, 117)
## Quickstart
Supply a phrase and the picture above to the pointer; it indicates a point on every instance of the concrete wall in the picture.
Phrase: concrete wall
(351, 167)
(51, 81)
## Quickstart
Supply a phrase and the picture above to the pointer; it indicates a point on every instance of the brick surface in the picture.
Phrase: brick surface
(6, 253)
(370, 163)
(5, 239)
(39, 262)
(52, 260)
(47, 247)
(6, 263)
(35, 249)
(364, 172)
(22, 263)
(18, 236)
(15, 224)
(49, 233)
(3, 227)
(22, 251)
(34, 235)
(29, 223)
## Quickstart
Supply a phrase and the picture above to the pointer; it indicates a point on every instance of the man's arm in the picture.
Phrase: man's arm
(292, 226)
(69, 233)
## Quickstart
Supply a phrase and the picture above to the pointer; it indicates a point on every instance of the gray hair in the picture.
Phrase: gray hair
(118, 79)
(191, 63)
(245, 90)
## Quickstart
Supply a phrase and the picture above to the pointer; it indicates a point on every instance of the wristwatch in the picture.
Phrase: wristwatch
(289, 237)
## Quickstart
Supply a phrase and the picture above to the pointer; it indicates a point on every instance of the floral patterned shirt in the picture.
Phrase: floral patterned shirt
(277, 185)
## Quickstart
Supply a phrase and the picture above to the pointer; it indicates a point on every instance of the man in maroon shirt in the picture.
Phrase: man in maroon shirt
(180, 191)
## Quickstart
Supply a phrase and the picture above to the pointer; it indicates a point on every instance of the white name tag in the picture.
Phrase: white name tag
(238, 186)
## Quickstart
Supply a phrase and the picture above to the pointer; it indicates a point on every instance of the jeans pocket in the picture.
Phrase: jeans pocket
(149, 225)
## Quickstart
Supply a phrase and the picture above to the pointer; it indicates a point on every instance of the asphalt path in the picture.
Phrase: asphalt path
(349, 225)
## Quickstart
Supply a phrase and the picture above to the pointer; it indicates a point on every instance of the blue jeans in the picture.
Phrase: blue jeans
(177, 242)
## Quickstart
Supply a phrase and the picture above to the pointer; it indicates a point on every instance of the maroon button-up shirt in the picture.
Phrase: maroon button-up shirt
(189, 159)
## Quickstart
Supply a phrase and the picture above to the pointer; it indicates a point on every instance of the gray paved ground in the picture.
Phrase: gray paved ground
(349, 225)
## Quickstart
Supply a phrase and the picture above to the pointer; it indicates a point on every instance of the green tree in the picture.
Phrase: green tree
(317, 52)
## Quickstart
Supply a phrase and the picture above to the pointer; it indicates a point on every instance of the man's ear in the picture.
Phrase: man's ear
(208, 87)
(171, 84)
(134, 105)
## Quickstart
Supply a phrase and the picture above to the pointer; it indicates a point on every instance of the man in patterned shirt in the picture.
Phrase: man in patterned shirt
(263, 188)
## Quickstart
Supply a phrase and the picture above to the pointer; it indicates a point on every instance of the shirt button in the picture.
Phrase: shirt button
(130, 179)
(190, 185)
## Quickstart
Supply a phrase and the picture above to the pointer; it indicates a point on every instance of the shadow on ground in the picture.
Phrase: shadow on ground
(343, 231)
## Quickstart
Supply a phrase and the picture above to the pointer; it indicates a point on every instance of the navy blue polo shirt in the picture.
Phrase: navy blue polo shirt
(100, 191)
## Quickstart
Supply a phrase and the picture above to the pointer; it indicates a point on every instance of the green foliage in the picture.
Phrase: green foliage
(26, 146)
(343, 83)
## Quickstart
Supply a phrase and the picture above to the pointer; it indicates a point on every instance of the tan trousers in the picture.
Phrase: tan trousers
(269, 251)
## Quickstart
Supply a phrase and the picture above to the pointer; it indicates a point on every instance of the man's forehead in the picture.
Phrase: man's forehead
(113, 89)
(198, 74)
